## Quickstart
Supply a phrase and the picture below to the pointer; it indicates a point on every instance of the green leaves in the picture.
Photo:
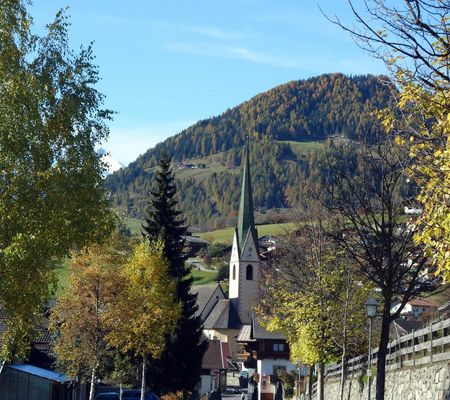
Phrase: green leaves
(79, 319)
(145, 311)
(51, 194)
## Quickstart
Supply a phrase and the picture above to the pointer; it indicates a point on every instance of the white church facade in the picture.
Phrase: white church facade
(227, 315)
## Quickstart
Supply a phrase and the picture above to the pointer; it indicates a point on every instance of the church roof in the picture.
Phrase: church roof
(223, 316)
(204, 293)
(246, 221)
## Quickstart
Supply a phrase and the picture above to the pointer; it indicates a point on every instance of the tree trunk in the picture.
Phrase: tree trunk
(144, 361)
(310, 382)
(350, 385)
(341, 388)
(320, 382)
(120, 390)
(382, 351)
(344, 337)
(92, 389)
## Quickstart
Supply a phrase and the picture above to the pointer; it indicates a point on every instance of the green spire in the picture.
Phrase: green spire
(246, 219)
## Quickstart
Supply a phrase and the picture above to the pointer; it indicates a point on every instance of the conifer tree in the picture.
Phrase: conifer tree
(179, 367)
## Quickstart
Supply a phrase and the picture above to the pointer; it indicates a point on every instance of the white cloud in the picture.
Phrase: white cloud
(208, 31)
(202, 30)
(314, 63)
(234, 52)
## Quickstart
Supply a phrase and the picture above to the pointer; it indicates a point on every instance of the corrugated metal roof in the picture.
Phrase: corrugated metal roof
(40, 372)
(245, 334)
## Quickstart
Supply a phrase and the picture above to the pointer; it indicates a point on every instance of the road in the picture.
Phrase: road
(231, 396)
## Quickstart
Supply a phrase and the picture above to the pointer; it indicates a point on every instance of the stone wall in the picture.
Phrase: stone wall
(429, 382)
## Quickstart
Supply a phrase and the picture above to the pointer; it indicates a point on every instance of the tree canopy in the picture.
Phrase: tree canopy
(286, 125)
(79, 318)
(51, 195)
(147, 311)
(313, 295)
(179, 367)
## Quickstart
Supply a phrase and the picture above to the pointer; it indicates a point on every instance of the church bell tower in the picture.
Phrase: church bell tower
(245, 262)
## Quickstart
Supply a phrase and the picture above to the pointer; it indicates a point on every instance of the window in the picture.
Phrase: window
(278, 347)
(249, 273)
(234, 272)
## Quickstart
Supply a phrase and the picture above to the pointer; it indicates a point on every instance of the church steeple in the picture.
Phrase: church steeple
(245, 264)
(246, 221)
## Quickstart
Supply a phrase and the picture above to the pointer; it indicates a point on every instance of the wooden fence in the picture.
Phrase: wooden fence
(426, 345)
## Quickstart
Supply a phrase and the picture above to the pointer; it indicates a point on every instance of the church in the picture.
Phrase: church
(224, 317)
(231, 320)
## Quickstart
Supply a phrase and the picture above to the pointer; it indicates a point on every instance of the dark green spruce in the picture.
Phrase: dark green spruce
(180, 366)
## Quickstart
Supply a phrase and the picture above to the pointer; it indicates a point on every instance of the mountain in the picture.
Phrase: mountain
(287, 126)
(112, 165)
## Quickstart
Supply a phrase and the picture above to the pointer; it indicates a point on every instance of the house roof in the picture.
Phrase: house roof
(204, 293)
(223, 316)
(245, 334)
(195, 239)
(259, 332)
(444, 307)
(43, 337)
(402, 326)
(216, 355)
(422, 303)
(40, 372)
(226, 352)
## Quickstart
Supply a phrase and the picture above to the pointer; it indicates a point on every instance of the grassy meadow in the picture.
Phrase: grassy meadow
(226, 235)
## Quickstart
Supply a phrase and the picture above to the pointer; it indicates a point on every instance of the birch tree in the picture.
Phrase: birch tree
(78, 320)
(51, 195)
(303, 291)
(145, 312)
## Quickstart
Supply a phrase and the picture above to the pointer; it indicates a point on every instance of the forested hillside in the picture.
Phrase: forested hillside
(287, 126)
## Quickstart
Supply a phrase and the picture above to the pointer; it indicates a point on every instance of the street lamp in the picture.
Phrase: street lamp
(371, 312)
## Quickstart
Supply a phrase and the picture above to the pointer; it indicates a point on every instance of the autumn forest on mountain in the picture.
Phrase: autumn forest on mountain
(288, 125)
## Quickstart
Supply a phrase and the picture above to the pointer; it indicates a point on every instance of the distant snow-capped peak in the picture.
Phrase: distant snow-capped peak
(112, 165)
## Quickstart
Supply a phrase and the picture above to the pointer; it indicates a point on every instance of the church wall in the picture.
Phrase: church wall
(248, 292)
(233, 289)
(248, 289)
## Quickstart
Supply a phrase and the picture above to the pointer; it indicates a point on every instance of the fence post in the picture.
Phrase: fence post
(431, 342)
(414, 348)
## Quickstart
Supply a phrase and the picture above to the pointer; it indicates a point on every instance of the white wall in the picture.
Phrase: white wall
(265, 368)
(205, 384)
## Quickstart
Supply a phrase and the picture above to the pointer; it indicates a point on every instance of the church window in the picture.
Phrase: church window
(234, 272)
(249, 273)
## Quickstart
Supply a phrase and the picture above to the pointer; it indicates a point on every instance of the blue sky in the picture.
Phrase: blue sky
(166, 64)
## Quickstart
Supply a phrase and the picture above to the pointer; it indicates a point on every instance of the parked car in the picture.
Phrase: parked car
(127, 394)
(107, 396)
(133, 394)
